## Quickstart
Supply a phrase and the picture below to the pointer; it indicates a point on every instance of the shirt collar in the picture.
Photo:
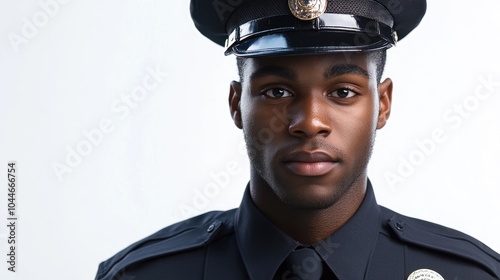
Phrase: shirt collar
(264, 247)
(348, 250)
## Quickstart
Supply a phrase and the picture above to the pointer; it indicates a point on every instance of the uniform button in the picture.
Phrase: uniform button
(211, 228)
(399, 226)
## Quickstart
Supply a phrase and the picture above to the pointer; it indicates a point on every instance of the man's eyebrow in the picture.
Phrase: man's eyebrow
(342, 69)
(273, 71)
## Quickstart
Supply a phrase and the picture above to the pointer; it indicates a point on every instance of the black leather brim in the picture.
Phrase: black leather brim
(296, 43)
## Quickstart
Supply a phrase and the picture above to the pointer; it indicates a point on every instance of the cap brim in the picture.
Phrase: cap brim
(296, 43)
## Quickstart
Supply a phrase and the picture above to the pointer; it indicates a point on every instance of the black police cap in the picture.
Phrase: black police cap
(277, 27)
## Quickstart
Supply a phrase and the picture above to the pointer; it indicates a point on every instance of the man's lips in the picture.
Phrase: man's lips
(314, 163)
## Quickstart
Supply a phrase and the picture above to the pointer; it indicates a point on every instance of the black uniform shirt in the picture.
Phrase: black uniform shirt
(264, 247)
(376, 243)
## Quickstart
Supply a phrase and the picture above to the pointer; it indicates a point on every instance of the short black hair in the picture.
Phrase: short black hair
(381, 59)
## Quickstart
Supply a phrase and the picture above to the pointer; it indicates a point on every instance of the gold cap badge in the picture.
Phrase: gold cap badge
(307, 9)
(425, 274)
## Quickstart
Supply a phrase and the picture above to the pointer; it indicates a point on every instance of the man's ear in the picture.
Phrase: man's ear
(385, 101)
(234, 103)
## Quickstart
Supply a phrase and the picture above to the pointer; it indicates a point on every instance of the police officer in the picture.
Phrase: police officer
(309, 101)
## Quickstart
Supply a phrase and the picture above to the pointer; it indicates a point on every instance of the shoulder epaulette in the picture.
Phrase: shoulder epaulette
(189, 234)
(437, 237)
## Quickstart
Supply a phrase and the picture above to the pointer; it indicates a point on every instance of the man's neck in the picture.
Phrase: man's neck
(308, 226)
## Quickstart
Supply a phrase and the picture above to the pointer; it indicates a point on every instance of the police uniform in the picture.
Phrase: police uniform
(375, 243)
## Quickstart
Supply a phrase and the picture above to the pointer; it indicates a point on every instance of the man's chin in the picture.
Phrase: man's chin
(310, 197)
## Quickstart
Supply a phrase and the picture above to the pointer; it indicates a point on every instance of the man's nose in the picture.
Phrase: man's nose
(310, 117)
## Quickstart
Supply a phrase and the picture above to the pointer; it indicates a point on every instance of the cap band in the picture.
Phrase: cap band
(256, 9)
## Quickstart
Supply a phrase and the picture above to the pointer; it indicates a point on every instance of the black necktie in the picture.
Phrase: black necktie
(303, 264)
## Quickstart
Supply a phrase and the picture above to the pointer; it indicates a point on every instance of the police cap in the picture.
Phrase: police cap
(287, 27)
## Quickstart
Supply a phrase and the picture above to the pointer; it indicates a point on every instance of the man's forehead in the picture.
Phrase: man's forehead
(360, 59)
(336, 57)
(327, 66)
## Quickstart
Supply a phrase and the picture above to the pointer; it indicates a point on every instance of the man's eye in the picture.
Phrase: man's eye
(343, 93)
(277, 93)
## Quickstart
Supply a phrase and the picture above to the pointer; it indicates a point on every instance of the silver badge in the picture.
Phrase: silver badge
(425, 274)
(307, 9)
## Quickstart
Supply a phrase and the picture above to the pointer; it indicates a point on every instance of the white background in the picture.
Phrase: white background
(145, 173)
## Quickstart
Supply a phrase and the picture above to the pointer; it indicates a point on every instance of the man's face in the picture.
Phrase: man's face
(309, 123)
